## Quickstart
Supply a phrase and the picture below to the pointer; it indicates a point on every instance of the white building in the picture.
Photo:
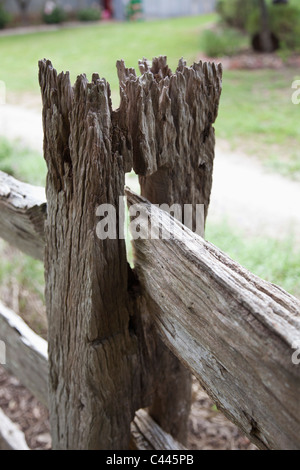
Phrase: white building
(170, 8)
(151, 8)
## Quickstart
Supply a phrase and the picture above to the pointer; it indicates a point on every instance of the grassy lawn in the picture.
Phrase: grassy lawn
(256, 112)
(96, 48)
(22, 287)
(23, 164)
(277, 261)
(257, 116)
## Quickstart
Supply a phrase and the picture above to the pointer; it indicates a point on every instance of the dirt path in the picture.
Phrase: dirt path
(25, 125)
(258, 201)
(251, 198)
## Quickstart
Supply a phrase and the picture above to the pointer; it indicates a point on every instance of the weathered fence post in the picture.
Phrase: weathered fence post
(91, 351)
(170, 119)
(103, 364)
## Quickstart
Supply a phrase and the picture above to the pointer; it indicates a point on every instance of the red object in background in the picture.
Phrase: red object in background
(107, 7)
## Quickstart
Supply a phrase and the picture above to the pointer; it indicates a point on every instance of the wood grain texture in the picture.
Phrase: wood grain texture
(233, 330)
(170, 120)
(97, 320)
(22, 215)
(169, 117)
(27, 359)
(146, 434)
(26, 353)
(92, 353)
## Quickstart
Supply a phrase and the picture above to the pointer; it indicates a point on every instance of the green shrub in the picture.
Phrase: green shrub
(221, 42)
(55, 16)
(5, 17)
(89, 14)
(246, 15)
(284, 23)
(24, 164)
(134, 10)
(234, 13)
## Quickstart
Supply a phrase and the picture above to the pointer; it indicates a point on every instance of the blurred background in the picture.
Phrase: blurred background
(254, 214)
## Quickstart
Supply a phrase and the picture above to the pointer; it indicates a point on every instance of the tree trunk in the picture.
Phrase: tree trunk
(265, 35)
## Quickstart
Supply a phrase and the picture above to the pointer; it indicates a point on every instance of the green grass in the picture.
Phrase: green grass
(22, 286)
(96, 48)
(277, 261)
(223, 41)
(25, 270)
(256, 112)
(257, 115)
(24, 164)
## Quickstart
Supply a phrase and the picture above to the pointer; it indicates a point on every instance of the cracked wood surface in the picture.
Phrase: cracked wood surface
(169, 128)
(234, 331)
(91, 350)
(169, 117)
(146, 434)
(103, 358)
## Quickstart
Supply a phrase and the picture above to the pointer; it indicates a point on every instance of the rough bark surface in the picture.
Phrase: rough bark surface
(22, 215)
(234, 331)
(169, 120)
(92, 353)
(27, 359)
(103, 356)
(146, 434)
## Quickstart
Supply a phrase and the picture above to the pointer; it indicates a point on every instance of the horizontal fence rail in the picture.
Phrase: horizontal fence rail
(22, 215)
(11, 437)
(234, 331)
(26, 353)
(146, 434)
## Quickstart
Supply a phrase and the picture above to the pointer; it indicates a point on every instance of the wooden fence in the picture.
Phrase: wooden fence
(123, 340)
